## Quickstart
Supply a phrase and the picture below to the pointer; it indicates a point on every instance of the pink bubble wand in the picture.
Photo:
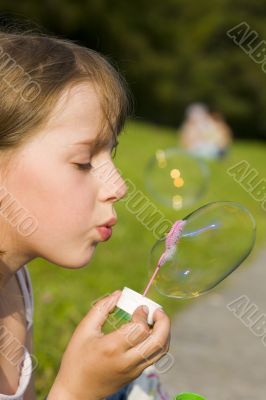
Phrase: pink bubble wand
(171, 240)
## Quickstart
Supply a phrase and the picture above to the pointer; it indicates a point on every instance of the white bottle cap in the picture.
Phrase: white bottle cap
(130, 300)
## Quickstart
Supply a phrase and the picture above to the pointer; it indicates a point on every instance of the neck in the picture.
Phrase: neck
(5, 275)
(14, 252)
(9, 266)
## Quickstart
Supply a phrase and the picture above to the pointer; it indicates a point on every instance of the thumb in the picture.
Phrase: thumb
(100, 311)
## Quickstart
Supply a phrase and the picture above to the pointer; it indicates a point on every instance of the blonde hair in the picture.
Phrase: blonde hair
(34, 70)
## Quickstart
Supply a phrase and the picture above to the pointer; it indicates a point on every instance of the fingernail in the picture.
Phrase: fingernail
(115, 293)
(145, 309)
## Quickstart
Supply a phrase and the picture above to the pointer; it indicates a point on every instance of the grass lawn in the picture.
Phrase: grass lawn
(62, 297)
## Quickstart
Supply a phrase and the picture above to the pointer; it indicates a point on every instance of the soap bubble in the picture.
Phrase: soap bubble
(212, 243)
(175, 178)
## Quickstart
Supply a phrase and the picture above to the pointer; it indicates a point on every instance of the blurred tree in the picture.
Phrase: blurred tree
(173, 52)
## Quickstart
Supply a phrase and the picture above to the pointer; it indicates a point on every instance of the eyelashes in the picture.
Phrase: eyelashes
(88, 166)
(84, 167)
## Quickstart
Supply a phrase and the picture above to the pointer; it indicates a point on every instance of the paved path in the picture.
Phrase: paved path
(215, 354)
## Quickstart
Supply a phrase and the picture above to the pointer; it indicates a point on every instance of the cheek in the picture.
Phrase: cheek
(62, 202)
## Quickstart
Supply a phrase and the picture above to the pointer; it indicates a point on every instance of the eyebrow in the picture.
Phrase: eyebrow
(96, 143)
(86, 142)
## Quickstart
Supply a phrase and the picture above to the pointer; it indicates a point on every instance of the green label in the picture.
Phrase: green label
(189, 396)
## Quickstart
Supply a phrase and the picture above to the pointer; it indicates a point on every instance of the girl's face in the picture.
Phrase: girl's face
(69, 191)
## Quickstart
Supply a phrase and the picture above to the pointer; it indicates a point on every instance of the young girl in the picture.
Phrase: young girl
(61, 109)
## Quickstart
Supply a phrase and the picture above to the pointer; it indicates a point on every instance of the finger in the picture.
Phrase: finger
(140, 314)
(157, 339)
(162, 354)
(134, 332)
(162, 361)
(160, 351)
(100, 311)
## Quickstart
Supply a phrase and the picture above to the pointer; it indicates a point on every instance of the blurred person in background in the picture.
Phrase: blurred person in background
(205, 134)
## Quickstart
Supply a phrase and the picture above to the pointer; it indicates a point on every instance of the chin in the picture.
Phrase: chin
(75, 260)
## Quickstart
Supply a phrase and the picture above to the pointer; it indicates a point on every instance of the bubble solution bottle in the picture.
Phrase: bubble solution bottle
(128, 302)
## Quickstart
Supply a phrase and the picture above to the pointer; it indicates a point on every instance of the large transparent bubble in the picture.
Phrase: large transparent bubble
(206, 247)
(175, 178)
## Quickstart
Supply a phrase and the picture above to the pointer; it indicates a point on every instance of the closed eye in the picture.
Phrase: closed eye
(84, 167)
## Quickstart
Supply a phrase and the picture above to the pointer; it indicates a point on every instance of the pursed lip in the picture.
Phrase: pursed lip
(105, 229)
(112, 221)
(105, 232)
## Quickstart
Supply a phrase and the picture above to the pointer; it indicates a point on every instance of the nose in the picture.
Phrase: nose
(113, 187)
(122, 189)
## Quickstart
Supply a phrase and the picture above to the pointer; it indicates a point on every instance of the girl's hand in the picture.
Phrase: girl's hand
(95, 365)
